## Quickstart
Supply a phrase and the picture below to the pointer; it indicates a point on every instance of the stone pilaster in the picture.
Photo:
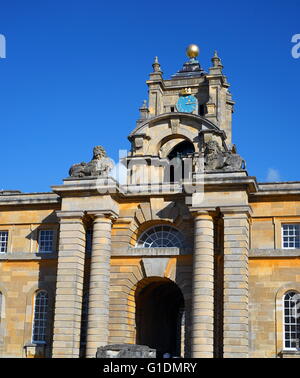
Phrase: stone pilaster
(98, 312)
(203, 287)
(70, 273)
(236, 248)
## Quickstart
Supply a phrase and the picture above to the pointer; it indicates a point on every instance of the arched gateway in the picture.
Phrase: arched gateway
(160, 316)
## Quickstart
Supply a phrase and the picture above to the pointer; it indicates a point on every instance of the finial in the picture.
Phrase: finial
(156, 65)
(144, 111)
(216, 60)
(192, 51)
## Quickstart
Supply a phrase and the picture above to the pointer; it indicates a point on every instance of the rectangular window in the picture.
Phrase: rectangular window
(291, 236)
(3, 241)
(46, 241)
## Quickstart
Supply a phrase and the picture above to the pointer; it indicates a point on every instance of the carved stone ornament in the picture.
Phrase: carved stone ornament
(125, 351)
(216, 159)
(100, 165)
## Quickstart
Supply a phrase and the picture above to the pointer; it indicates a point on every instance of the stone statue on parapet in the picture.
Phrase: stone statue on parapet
(100, 165)
(216, 159)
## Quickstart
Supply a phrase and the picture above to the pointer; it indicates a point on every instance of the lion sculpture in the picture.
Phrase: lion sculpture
(216, 159)
(100, 165)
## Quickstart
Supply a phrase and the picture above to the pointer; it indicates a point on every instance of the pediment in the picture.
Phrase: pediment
(192, 120)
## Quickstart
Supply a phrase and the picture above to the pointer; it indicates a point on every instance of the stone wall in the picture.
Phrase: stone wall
(269, 280)
(20, 280)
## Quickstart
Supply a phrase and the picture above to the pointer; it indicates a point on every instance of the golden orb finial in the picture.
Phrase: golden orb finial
(192, 51)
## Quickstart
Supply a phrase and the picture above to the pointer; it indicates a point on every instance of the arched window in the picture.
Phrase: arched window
(40, 317)
(161, 236)
(291, 305)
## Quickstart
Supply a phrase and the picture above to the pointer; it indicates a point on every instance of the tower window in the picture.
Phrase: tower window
(291, 236)
(40, 317)
(202, 110)
(172, 109)
(3, 241)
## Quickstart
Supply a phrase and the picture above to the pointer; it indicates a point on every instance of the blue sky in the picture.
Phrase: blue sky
(75, 71)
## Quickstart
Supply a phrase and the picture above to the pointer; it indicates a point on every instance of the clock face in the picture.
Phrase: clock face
(186, 104)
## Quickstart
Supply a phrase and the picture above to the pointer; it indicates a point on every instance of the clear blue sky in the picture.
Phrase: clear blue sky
(75, 72)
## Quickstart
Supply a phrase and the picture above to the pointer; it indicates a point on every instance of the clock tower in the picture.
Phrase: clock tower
(192, 90)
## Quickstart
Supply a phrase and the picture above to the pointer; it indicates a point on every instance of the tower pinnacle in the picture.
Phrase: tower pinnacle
(156, 65)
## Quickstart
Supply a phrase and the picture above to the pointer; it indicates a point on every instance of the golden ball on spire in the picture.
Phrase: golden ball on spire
(192, 51)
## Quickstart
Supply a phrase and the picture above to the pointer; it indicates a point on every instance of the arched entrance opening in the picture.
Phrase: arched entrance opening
(176, 159)
(159, 317)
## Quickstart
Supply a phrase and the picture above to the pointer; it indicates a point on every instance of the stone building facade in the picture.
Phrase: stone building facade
(184, 252)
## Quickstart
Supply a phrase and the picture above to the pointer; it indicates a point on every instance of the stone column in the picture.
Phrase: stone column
(236, 247)
(70, 273)
(203, 287)
(98, 312)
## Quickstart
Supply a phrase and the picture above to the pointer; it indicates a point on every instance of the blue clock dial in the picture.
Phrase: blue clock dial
(186, 104)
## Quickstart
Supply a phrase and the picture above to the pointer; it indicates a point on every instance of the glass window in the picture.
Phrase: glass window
(161, 236)
(291, 236)
(3, 241)
(46, 240)
(291, 305)
(40, 317)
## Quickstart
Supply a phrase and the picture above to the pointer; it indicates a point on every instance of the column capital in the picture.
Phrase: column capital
(98, 214)
(70, 214)
(203, 212)
(236, 210)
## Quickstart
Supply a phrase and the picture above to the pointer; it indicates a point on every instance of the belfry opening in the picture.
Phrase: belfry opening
(177, 168)
(160, 317)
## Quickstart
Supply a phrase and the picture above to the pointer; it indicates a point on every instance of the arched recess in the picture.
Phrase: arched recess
(177, 277)
(180, 165)
(127, 280)
(159, 316)
(160, 212)
(279, 316)
(169, 143)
